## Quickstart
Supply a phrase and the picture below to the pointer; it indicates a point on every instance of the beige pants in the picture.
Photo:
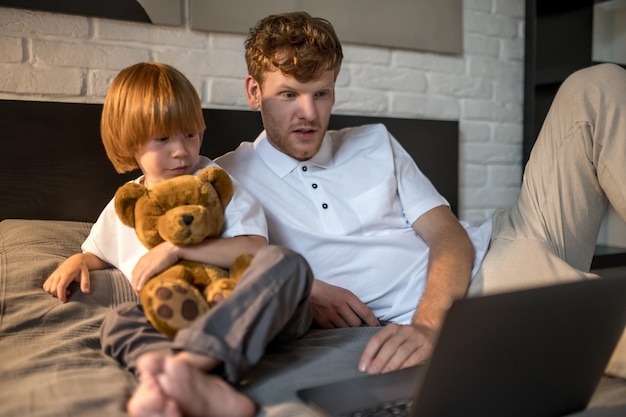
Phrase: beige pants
(577, 164)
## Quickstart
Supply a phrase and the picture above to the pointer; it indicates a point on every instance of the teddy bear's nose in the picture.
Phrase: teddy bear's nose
(187, 219)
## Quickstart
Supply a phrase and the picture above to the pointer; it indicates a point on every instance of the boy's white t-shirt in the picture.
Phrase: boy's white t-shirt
(118, 245)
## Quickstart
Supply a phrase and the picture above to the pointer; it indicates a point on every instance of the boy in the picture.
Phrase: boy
(152, 119)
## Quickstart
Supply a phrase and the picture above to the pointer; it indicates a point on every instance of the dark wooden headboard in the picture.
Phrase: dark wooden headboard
(53, 165)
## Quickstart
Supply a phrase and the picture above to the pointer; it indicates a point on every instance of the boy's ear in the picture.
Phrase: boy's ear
(253, 93)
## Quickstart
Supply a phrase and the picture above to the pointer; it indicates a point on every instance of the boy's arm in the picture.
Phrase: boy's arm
(222, 251)
(75, 268)
(219, 252)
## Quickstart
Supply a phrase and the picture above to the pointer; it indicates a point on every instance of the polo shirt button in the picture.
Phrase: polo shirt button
(324, 206)
(314, 185)
(304, 168)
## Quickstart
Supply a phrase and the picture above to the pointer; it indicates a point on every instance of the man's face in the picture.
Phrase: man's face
(295, 115)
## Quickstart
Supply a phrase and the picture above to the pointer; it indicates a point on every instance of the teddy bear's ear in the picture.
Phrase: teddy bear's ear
(221, 182)
(125, 199)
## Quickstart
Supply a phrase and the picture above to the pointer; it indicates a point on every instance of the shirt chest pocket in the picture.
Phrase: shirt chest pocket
(379, 209)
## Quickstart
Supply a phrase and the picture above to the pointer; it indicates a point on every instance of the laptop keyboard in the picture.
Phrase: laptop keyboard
(389, 409)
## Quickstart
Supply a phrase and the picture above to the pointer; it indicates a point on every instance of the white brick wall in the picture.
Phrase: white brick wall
(57, 57)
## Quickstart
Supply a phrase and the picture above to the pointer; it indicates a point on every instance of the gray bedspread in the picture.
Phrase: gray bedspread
(50, 358)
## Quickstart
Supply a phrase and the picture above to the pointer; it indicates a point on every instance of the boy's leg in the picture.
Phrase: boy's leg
(172, 386)
(126, 334)
(271, 300)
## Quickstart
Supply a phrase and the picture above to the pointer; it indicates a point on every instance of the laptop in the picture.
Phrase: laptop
(535, 352)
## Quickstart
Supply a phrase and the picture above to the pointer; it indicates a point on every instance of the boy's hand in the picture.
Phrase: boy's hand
(156, 260)
(73, 269)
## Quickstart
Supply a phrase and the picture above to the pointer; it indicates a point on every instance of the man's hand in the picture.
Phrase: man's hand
(396, 347)
(337, 307)
(450, 263)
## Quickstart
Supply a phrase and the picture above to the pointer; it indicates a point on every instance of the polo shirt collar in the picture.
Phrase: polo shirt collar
(283, 164)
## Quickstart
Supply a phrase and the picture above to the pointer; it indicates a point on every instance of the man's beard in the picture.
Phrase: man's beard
(281, 140)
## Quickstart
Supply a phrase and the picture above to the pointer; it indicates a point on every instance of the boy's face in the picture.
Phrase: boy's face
(165, 157)
(295, 115)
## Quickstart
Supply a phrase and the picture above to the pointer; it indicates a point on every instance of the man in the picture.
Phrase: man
(382, 243)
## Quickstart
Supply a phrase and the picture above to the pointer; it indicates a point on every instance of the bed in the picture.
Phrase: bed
(55, 180)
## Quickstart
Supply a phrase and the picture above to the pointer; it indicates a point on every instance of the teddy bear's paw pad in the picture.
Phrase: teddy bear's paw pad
(188, 310)
(176, 305)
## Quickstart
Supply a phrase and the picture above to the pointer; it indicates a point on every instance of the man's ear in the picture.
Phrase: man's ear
(253, 93)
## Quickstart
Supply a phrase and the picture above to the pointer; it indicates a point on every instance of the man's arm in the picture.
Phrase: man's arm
(450, 263)
(451, 257)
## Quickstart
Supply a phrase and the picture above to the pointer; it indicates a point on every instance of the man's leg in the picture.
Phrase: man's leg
(577, 163)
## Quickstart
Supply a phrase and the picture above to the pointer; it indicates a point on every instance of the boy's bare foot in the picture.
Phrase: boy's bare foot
(170, 386)
(149, 400)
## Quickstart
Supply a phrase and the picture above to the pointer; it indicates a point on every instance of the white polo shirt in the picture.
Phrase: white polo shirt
(349, 211)
(118, 245)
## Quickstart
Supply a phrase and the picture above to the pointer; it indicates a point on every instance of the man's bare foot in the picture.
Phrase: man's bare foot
(171, 386)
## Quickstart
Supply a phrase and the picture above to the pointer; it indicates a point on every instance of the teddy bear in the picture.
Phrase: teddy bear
(183, 210)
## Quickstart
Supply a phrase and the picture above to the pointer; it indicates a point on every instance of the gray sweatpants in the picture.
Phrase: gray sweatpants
(577, 164)
(271, 302)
